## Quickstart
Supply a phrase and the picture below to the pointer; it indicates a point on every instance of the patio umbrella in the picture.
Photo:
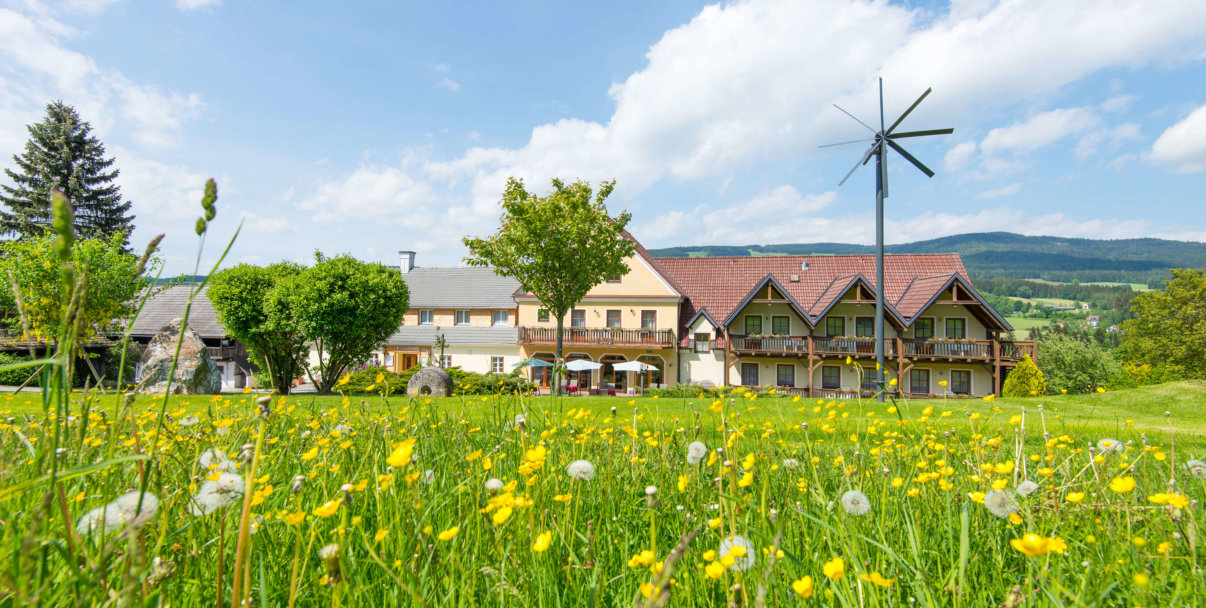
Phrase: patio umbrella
(582, 365)
(534, 362)
(635, 366)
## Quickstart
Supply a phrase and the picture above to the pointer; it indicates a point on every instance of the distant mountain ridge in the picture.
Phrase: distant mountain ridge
(1005, 254)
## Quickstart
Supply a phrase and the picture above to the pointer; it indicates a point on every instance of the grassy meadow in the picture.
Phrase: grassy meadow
(370, 501)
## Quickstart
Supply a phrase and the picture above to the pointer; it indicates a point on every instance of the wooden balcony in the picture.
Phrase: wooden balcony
(584, 336)
(913, 349)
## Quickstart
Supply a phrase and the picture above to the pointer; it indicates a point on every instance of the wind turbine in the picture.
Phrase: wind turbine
(881, 140)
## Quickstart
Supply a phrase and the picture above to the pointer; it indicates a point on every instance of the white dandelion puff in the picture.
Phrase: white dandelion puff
(189, 421)
(856, 503)
(742, 562)
(214, 495)
(217, 458)
(1000, 503)
(581, 470)
(1197, 468)
(493, 485)
(696, 452)
(124, 510)
(1109, 445)
(1026, 488)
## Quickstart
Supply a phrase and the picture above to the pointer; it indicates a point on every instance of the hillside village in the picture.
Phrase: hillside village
(790, 322)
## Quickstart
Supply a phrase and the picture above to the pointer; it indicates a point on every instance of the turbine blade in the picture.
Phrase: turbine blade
(855, 119)
(923, 133)
(906, 112)
(910, 158)
(881, 104)
(843, 143)
(861, 161)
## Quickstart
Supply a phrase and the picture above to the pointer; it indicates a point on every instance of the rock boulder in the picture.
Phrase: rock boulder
(430, 381)
(196, 372)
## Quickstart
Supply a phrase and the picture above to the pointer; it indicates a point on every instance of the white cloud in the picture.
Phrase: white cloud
(1038, 131)
(193, 5)
(448, 84)
(1183, 145)
(739, 85)
(255, 223)
(960, 156)
(370, 192)
(31, 46)
(90, 7)
(1111, 139)
(1009, 190)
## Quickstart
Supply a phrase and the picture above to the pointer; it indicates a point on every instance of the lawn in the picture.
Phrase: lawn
(1023, 325)
(375, 501)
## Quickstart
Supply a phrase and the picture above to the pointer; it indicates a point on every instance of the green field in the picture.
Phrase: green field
(375, 501)
(1023, 325)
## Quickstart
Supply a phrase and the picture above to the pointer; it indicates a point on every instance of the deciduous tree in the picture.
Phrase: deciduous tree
(265, 325)
(557, 246)
(345, 308)
(1169, 328)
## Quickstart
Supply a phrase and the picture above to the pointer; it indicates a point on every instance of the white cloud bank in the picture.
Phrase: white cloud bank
(1183, 145)
(753, 81)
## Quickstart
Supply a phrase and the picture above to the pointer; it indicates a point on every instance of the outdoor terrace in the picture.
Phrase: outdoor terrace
(585, 336)
(910, 348)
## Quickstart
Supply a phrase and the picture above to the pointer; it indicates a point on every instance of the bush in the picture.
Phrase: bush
(1025, 380)
(1075, 365)
(14, 377)
(463, 382)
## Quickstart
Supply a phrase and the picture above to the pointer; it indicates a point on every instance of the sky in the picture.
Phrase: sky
(372, 127)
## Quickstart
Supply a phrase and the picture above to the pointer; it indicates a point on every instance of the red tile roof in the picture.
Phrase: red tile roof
(721, 284)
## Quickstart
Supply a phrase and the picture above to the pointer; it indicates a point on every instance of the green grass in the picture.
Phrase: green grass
(1022, 325)
(920, 469)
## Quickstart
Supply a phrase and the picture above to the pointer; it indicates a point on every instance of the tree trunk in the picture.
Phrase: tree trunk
(557, 357)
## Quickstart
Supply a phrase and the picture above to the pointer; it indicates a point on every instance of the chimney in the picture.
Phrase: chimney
(406, 261)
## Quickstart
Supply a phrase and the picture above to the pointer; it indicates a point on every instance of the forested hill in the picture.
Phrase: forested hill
(1004, 254)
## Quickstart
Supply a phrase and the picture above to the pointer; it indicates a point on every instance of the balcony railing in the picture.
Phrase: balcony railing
(585, 336)
(954, 350)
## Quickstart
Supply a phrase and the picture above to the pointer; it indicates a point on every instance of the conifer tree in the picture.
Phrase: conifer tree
(62, 154)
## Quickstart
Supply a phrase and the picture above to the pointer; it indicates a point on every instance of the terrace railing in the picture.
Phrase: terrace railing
(585, 336)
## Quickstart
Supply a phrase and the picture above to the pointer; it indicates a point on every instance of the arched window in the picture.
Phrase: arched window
(652, 377)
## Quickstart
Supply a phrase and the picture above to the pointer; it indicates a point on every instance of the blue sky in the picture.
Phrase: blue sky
(372, 127)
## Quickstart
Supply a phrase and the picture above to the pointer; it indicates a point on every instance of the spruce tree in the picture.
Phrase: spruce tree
(62, 154)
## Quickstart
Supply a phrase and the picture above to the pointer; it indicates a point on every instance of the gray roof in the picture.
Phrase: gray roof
(424, 335)
(459, 288)
(168, 305)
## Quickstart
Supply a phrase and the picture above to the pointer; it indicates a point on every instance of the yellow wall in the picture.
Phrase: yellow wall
(641, 280)
(446, 317)
(767, 311)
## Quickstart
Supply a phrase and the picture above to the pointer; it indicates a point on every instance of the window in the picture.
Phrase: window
(648, 319)
(446, 361)
(615, 278)
(389, 359)
(919, 382)
(703, 342)
(613, 319)
(785, 375)
(578, 318)
(961, 382)
(868, 381)
(462, 317)
(753, 325)
(749, 374)
(835, 326)
(864, 327)
(496, 365)
(956, 328)
(542, 315)
(831, 376)
(924, 328)
(499, 317)
(780, 326)
(426, 317)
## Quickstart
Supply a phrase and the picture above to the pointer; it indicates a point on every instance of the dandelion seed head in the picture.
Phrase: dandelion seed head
(1000, 503)
(1108, 445)
(791, 463)
(581, 470)
(856, 503)
(214, 495)
(696, 452)
(1197, 468)
(1026, 488)
(748, 556)
(493, 485)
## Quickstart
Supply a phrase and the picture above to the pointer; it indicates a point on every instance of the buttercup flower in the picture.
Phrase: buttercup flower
(740, 549)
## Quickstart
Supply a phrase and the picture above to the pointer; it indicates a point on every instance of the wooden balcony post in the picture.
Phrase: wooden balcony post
(727, 346)
(996, 375)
